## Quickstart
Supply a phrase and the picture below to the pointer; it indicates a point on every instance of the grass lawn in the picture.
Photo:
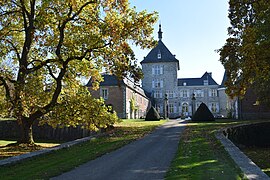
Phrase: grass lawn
(260, 156)
(55, 163)
(9, 151)
(202, 156)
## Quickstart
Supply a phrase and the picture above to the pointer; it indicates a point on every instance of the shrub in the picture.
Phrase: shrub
(203, 114)
(152, 115)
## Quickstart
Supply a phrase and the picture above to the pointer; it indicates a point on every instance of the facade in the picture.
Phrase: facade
(128, 100)
(175, 97)
(225, 102)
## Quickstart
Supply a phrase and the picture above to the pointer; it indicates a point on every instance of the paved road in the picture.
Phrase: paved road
(147, 158)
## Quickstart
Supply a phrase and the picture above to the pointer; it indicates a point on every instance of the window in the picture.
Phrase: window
(157, 69)
(171, 108)
(157, 94)
(198, 93)
(185, 108)
(185, 93)
(157, 83)
(205, 82)
(104, 93)
(159, 55)
(171, 94)
(213, 93)
(213, 107)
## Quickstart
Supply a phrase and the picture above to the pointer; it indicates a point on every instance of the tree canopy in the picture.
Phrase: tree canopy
(246, 54)
(47, 45)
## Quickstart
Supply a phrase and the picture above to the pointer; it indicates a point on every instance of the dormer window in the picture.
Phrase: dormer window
(159, 54)
(205, 82)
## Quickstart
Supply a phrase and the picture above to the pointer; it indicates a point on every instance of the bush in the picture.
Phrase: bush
(152, 115)
(203, 114)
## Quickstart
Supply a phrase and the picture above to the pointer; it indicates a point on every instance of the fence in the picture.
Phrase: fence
(9, 129)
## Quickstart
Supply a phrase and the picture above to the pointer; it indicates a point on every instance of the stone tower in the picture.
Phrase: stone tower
(160, 72)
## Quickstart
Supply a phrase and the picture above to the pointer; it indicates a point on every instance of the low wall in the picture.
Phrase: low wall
(9, 129)
(250, 135)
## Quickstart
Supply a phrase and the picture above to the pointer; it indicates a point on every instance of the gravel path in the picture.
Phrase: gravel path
(148, 158)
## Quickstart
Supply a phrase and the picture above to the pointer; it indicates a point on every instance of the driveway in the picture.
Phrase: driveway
(147, 158)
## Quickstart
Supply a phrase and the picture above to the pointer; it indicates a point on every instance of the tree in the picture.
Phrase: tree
(203, 114)
(152, 115)
(46, 46)
(246, 54)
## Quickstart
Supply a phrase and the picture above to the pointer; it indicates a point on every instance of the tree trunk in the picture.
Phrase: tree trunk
(26, 132)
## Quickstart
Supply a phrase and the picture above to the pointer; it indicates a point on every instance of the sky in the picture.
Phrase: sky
(192, 30)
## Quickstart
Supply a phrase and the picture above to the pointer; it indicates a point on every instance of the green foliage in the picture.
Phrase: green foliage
(246, 54)
(152, 115)
(81, 108)
(47, 46)
(203, 114)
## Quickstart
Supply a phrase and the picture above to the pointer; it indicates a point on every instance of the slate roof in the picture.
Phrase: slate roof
(197, 81)
(166, 55)
(224, 80)
(112, 80)
(109, 80)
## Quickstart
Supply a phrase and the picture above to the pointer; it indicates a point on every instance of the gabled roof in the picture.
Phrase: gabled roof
(109, 80)
(197, 81)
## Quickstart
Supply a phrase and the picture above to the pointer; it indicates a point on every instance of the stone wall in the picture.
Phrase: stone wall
(250, 135)
(115, 98)
(9, 129)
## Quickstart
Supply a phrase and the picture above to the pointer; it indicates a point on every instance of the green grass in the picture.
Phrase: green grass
(259, 156)
(6, 142)
(55, 163)
(7, 119)
(201, 156)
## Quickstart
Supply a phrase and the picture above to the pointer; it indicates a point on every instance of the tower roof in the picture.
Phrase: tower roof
(224, 80)
(160, 53)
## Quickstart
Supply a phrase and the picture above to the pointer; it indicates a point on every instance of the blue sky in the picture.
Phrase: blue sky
(192, 30)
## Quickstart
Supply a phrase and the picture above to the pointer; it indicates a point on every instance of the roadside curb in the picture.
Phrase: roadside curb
(248, 167)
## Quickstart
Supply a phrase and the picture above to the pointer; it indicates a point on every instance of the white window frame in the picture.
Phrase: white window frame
(213, 106)
(171, 107)
(213, 93)
(185, 93)
(157, 69)
(103, 94)
(157, 94)
(199, 93)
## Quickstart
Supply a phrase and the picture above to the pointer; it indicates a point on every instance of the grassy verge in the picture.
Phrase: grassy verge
(55, 163)
(259, 156)
(201, 156)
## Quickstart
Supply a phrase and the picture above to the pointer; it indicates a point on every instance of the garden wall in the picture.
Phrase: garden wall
(9, 129)
(250, 135)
